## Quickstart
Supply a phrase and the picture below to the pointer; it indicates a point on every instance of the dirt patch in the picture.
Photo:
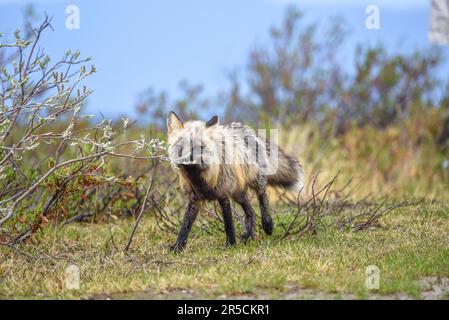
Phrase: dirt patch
(434, 288)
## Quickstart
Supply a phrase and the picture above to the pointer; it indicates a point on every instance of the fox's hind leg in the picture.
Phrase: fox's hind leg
(242, 200)
(260, 187)
(227, 219)
(267, 222)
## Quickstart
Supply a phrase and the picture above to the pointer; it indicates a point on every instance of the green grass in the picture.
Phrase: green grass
(412, 244)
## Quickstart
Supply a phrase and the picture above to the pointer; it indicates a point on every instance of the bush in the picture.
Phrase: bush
(52, 159)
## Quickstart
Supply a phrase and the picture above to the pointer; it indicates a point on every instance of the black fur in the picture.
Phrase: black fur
(225, 205)
(267, 222)
(201, 188)
(212, 121)
(248, 233)
(201, 191)
(189, 218)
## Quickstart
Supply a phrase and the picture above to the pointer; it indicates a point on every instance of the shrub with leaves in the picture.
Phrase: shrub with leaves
(52, 158)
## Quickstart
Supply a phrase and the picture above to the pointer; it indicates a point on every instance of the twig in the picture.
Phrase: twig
(136, 224)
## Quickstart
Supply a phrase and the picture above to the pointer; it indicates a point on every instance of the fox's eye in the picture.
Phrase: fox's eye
(180, 152)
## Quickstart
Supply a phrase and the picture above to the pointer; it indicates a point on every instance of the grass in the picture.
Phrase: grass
(412, 244)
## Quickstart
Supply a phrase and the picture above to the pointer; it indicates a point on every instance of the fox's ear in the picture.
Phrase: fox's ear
(213, 121)
(173, 122)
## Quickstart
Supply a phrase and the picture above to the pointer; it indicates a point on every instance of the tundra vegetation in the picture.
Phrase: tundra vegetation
(102, 195)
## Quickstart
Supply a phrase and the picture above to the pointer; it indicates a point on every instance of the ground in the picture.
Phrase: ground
(411, 249)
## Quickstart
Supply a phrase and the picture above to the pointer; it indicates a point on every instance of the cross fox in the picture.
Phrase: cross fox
(218, 162)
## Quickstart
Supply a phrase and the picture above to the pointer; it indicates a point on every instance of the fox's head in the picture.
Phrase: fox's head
(192, 144)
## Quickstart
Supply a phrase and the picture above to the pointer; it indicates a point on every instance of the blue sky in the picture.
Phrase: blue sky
(137, 44)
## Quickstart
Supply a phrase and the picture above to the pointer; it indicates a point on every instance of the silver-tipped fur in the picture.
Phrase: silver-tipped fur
(221, 162)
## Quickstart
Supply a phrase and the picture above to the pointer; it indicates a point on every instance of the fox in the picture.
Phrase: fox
(216, 162)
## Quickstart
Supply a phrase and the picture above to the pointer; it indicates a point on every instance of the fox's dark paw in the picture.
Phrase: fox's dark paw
(267, 225)
(176, 248)
(247, 235)
(230, 242)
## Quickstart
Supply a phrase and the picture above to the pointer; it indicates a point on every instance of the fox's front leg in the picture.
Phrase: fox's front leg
(248, 233)
(228, 222)
(189, 219)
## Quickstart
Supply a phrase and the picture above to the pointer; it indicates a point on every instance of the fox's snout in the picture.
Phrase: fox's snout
(189, 156)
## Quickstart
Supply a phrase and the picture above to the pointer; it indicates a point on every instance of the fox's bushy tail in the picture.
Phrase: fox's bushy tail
(289, 174)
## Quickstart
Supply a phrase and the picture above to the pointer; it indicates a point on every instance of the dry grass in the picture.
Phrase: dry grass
(411, 244)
